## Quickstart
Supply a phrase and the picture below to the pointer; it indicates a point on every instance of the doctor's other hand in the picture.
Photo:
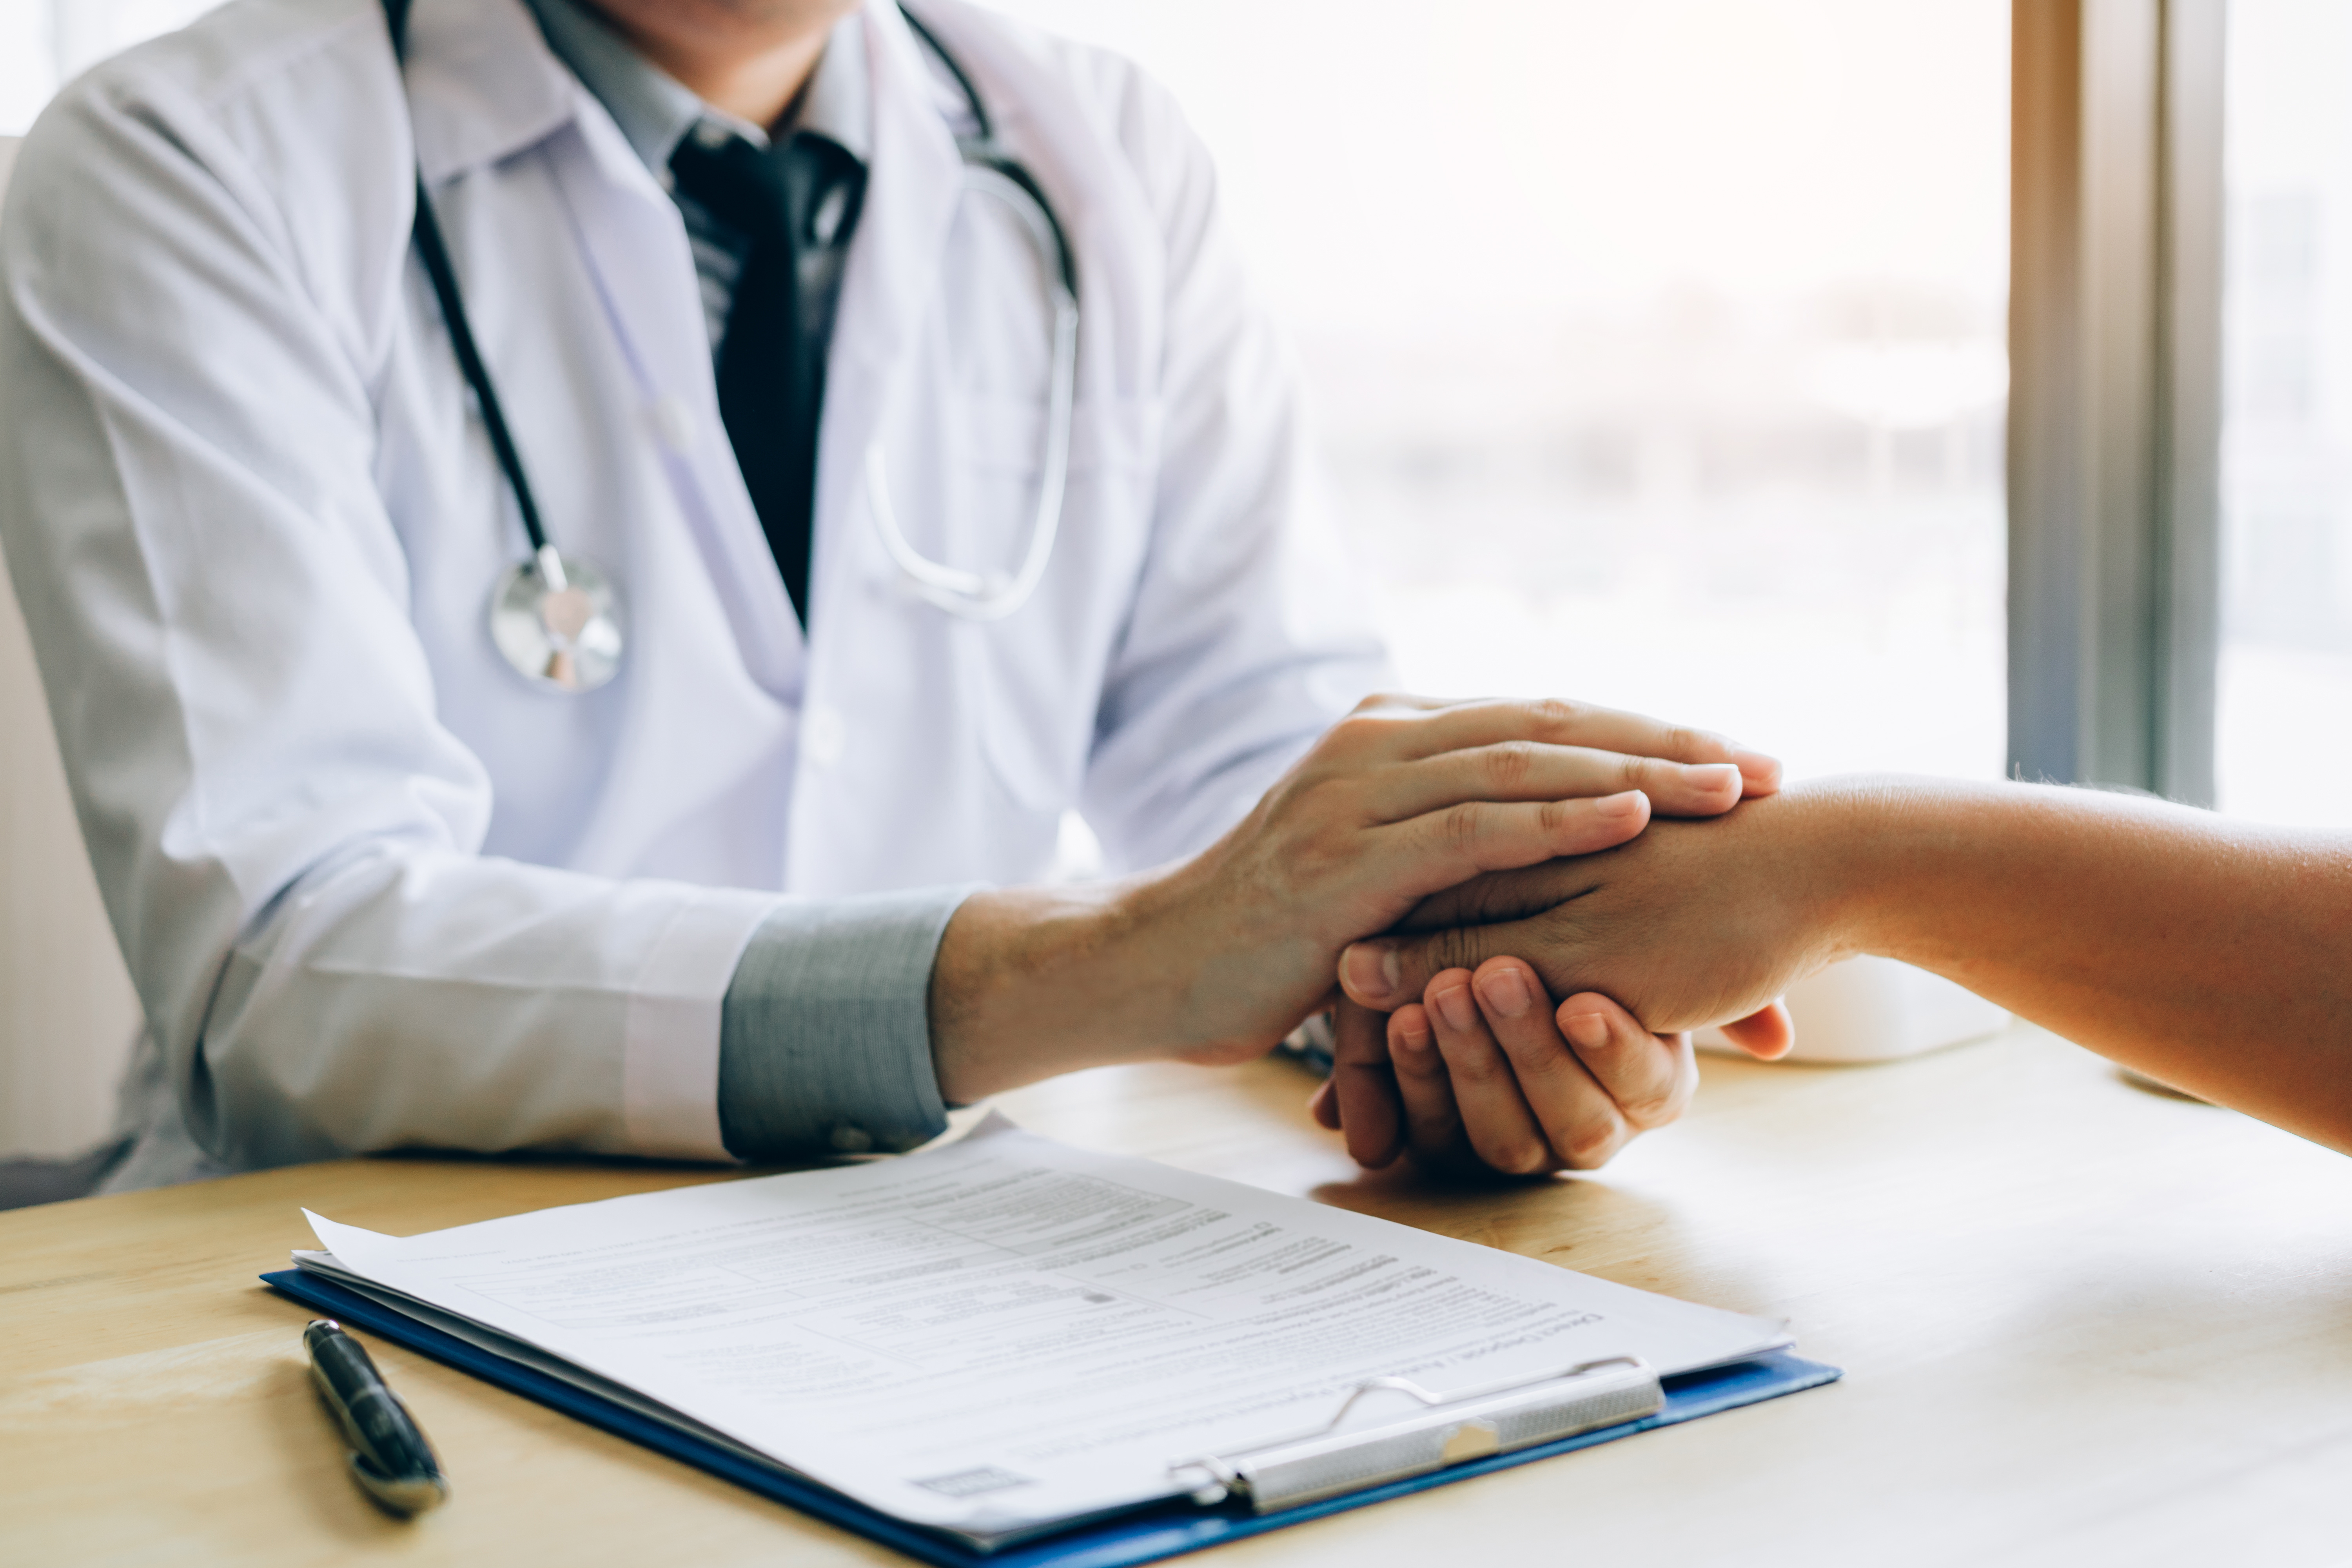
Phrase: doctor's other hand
(1483, 1070)
(1215, 958)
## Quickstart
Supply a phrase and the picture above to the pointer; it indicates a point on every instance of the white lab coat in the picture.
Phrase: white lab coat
(375, 889)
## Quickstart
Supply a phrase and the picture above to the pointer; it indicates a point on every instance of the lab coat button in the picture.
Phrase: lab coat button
(825, 735)
(674, 423)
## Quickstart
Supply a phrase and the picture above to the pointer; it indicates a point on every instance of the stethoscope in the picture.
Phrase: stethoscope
(558, 620)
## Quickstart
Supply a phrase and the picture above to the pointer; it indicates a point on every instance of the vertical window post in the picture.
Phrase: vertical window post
(2115, 395)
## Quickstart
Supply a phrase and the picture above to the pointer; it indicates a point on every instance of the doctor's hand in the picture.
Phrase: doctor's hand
(1216, 958)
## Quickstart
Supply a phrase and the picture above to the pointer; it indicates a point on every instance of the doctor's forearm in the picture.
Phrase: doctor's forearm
(1034, 981)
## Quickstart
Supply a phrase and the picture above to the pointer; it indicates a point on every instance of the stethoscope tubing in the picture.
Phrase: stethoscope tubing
(989, 170)
(971, 594)
(434, 252)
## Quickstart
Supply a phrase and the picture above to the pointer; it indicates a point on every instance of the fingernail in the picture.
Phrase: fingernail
(1628, 803)
(1504, 991)
(1371, 972)
(1588, 1031)
(1753, 762)
(1414, 1034)
(1454, 1004)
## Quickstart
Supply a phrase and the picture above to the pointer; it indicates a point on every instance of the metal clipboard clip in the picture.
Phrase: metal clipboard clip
(1339, 1460)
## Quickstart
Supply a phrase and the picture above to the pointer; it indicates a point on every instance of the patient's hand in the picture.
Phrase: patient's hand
(1485, 1069)
(1691, 924)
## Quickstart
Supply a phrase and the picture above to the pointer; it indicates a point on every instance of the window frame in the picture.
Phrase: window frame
(2115, 340)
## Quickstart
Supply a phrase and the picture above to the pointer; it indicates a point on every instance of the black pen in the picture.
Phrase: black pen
(389, 1456)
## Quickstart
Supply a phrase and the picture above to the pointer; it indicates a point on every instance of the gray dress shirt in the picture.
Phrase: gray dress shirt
(825, 1040)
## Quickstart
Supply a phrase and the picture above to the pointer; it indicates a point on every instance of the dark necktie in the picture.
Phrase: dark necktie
(794, 208)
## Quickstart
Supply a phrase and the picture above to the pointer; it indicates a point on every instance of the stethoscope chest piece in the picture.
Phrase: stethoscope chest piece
(558, 621)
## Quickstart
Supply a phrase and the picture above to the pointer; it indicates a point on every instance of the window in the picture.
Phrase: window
(2285, 747)
(1657, 350)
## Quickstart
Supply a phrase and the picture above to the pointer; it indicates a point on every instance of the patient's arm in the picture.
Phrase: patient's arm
(2212, 955)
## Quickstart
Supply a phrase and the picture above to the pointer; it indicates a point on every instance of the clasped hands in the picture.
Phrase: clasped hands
(1392, 857)
(1446, 1045)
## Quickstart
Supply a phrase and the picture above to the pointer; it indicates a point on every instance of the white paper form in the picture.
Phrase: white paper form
(1007, 1331)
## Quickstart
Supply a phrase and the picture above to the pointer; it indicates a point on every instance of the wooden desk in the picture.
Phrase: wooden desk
(2082, 1324)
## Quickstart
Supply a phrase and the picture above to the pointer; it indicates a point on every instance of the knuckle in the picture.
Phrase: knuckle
(1540, 1063)
(1524, 1157)
(1650, 1111)
(1657, 1108)
(1556, 712)
(1322, 801)
(1590, 1147)
(1386, 710)
(1683, 742)
(1453, 948)
(1481, 1070)
(1460, 827)
(1509, 764)
(1355, 731)
(1423, 1069)
(1633, 772)
(1515, 1153)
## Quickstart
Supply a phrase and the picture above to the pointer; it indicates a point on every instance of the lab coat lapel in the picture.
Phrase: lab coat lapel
(636, 247)
(889, 284)
(483, 86)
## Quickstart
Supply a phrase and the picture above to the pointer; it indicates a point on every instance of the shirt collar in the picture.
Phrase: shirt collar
(656, 111)
(838, 102)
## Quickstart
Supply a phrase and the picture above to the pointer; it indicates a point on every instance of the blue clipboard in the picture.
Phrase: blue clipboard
(1146, 1535)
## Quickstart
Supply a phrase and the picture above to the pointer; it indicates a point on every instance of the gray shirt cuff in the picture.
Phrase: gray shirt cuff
(824, 1039)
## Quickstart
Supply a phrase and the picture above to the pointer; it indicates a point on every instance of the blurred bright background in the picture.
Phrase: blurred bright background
(2286, 741)
(1656, 350)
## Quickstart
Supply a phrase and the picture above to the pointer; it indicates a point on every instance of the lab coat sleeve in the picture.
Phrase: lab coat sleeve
(1249, 633)
(287, 839)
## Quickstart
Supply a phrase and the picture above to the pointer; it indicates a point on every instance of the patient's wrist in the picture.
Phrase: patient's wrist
(1886, 845)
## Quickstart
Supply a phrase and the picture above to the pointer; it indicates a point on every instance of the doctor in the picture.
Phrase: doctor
(591, 662)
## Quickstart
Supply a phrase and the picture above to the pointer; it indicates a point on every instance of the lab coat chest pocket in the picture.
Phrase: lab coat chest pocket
(1034, 679)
